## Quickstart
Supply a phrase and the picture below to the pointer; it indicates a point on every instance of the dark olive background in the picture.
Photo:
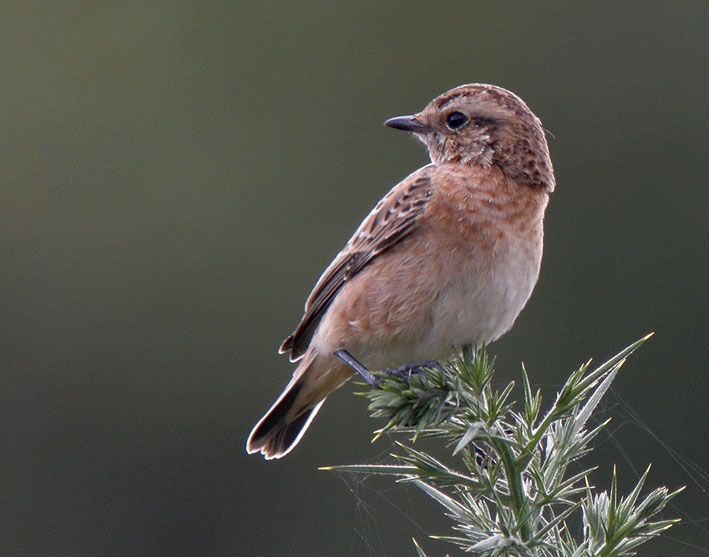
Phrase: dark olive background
(175, 176)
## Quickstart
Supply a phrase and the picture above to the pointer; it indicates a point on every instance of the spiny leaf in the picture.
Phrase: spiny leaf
(515, 496)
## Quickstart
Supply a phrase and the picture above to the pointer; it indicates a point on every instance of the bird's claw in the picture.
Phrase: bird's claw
(402, 372)
(405, 371)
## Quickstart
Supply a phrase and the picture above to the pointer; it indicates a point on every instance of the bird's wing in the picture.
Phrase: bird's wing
(394, 217)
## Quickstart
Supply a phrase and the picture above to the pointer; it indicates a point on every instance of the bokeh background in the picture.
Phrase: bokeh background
(176, 175)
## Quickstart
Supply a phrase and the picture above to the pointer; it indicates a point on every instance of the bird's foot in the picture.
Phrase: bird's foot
(405, 371)
(402, 372)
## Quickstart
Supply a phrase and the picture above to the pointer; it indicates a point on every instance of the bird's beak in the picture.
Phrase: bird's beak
(409, 124)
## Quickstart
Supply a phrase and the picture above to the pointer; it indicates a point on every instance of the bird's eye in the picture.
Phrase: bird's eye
(455, 120)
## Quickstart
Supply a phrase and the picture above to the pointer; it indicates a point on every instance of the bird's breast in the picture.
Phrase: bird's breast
(485, 244)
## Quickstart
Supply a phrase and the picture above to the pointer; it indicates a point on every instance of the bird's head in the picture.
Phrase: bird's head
(485, 125)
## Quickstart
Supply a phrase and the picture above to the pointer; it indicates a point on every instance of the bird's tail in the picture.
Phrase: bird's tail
(285, 423)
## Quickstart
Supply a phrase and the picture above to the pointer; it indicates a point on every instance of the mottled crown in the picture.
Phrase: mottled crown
(488, 125)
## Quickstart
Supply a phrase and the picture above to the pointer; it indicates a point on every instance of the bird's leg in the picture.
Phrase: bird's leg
(350, 360)
(405, 371)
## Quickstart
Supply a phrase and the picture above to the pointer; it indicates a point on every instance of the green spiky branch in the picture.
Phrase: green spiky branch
(513, 493)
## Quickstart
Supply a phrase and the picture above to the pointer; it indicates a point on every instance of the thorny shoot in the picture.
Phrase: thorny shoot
(512, 493)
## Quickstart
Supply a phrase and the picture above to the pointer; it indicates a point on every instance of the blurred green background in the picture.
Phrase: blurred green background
(176, 175)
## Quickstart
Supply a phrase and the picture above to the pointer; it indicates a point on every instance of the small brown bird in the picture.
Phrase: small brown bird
(448, 257)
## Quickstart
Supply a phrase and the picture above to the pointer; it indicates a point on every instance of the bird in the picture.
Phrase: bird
(448, 257)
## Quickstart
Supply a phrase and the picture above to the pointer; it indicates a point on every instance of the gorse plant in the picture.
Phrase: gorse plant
(513, 493)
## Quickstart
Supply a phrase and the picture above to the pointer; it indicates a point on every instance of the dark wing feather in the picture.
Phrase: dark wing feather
(395, 216)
